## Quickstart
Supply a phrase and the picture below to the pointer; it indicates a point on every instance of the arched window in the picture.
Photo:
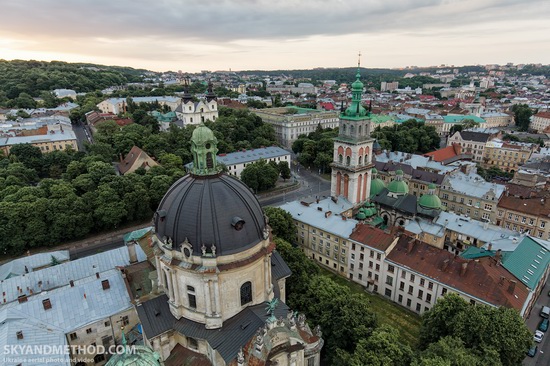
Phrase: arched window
(340, 158)
(348, 160)
(343, 129)
(351, 130)
(360, 160)
(360, 129)
(209, 161)
(191, 297)
(246, 293)
(366, 159)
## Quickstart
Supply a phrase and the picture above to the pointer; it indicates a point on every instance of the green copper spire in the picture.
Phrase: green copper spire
(204, 149)
(355, 109)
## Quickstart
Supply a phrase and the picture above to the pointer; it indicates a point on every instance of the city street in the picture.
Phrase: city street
(83, 134)
(543, 355)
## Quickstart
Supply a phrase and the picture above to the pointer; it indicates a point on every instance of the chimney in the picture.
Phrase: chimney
(131, 245)
(486, 225)
(501, 280)
(327, 214)
(463, 268)
(490, 247)
(498, 256)
(97, 275)
(22, 299)
(105, 284)
(445, 265)
(71, 282)
(512, 286)
(47, 304)
(410, 246)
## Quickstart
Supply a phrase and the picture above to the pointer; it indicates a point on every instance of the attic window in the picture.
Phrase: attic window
(237, 223)
(47, 304)
(105, 284)
(22, 299)
(20, 334)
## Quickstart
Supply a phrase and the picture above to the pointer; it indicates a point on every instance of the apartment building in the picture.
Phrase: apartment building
(472, 142)
(323, 231)
(291, 122)
(417, 180)
(467, 193)
(529, 215)
(540, 122)
(497, 119)
(417, 274)
(506, 155)
(368, 249)
(118, 105)
(235, 162)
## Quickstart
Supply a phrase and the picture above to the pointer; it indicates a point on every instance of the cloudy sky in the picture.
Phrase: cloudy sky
(193, 35)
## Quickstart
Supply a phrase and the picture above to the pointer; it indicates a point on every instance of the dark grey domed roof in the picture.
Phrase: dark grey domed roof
(210, 210)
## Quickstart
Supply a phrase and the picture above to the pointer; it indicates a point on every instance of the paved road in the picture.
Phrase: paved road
(83, 134)
(543, 356)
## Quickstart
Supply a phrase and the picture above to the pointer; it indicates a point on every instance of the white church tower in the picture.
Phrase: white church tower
(352, 160)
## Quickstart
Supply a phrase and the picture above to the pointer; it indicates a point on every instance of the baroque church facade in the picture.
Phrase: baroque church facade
(222, 278)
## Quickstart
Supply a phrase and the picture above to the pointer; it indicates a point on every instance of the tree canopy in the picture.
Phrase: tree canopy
(410, 136)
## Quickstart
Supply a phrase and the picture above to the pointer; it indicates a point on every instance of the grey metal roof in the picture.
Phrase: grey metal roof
(311, 215)
(472, 185)
(52, 277)
(17, 266)
(417, 174)
(156, 319)
(201, 209)
(246, 156)
(279, 269)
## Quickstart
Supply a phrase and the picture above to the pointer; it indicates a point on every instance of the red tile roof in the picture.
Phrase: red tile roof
(482, 278)
(543, 114)
(445, 153)
(184, 356)
(372, 236)
(529, 206)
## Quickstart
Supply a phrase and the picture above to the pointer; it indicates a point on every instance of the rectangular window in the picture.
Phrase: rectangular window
(412, 277)
(409, 303)
(391, 268)
(389, 280)
(387, 292)
(360, 276)
(378, 256)
(400, 298)
(410, 290)
(402, 285)
(430, 285)
(89, 330)
(377, 267)
(73, 336)
(403, 274)
(444, 291)
(376, 277)
(428, 297)
(542, 224)
(371, 264)
(422, 281)
(372, 254)
(418, 307)
(361, 256)
(420, 294)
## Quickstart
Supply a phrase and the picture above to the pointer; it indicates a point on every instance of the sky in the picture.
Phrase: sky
(194, 35)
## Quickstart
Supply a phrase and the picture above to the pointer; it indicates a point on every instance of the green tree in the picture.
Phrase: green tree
(522, 115)
(281, 223)
(382, 348)
(260, 175)
(284, 170)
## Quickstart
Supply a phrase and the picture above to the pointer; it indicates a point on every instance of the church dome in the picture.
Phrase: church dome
(357, 84)
(398, 186)
(202, 135)
(216, 210)
(208, 208)
(376, 184)
(430, 200)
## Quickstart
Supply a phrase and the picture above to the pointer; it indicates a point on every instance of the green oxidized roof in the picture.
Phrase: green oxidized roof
(376, 184)
(430, 200)
(203, 134)
(355, 110)
(529, 261)
(134, 356)
(398, 187)
(460, 118)
(204, 149)
(361, 214)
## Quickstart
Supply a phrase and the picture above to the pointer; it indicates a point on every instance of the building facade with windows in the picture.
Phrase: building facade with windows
(506, 155)
(467, 193)
(529, 215)
(472, 142)
(291, 122)
(540, 122)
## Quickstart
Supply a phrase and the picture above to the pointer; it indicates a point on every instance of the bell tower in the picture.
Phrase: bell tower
(352, 160)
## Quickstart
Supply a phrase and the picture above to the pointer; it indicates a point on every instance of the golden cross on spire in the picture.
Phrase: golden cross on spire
(359, 60)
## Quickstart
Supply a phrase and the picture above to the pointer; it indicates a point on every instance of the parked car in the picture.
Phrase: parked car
(538, 336)
(532, 351)
(543, 325)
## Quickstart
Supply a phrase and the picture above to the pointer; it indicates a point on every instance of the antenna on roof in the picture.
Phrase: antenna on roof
(359, 60)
